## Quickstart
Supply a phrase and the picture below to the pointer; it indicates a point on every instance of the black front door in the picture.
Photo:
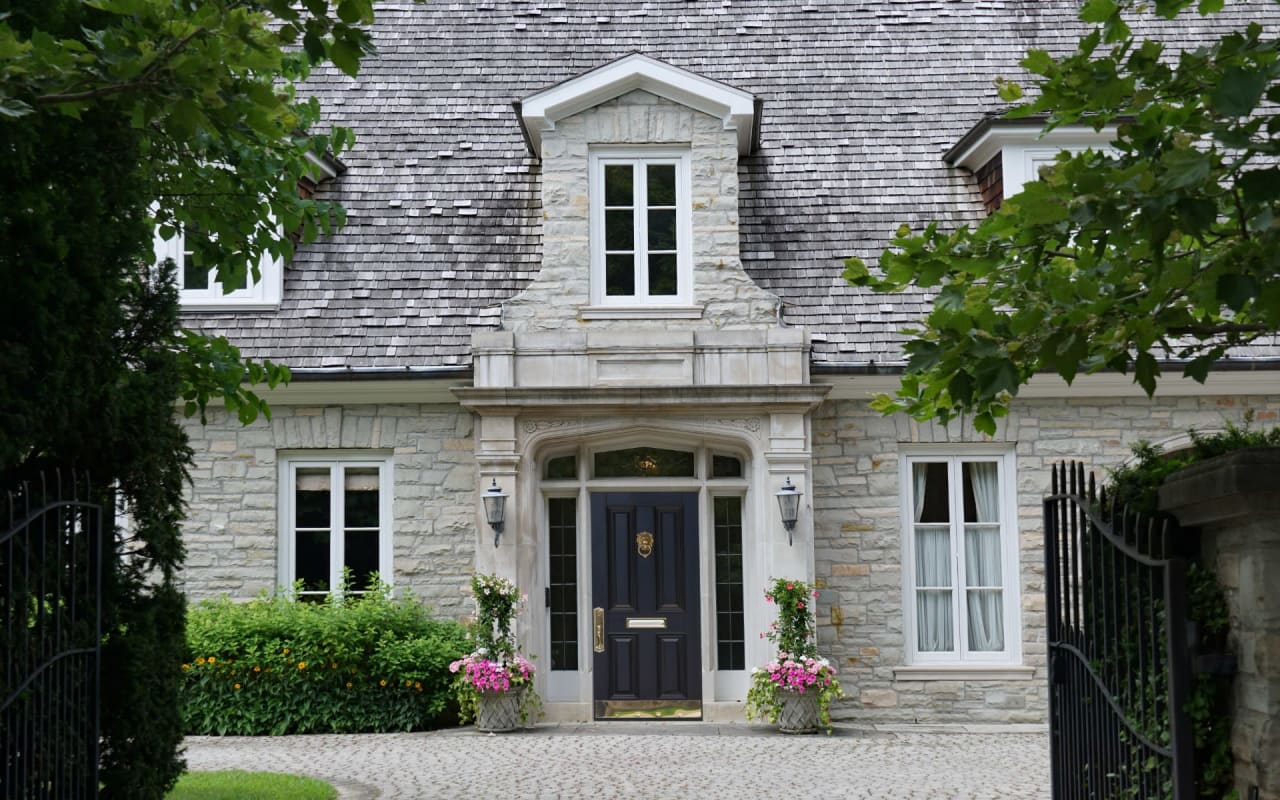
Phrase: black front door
(645, 610)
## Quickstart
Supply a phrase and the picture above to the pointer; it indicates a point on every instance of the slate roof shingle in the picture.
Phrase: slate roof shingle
(861, 100)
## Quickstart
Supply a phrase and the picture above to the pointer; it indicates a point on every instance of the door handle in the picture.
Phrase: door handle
(597, 615)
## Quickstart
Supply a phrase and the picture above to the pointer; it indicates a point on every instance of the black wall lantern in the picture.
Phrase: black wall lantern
(789, 504)
(495, 509)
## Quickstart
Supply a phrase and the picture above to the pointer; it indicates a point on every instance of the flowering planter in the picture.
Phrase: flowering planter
(499, 712)
(799, 713)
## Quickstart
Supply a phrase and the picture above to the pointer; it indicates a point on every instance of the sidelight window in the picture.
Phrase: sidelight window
(562, 581)
(730, 614)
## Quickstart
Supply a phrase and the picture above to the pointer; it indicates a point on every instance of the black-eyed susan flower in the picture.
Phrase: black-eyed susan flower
(237, 687)
(302, 665)
(382, 682)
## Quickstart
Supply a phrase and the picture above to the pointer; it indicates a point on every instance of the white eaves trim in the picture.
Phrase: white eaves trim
(539, 112)
(1103, 385)
(1025, 148)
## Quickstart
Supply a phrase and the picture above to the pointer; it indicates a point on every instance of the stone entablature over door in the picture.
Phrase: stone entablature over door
(763, 357)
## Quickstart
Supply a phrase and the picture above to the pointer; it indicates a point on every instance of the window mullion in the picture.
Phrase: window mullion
(640, 212)
(291, 526)
(337, 482)
(959, 576)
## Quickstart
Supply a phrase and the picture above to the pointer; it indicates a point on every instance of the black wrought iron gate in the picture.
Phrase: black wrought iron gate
(1119, 664)
(50, 639)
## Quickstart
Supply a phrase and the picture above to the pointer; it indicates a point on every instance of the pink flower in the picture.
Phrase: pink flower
(768, 598)
(791, 586)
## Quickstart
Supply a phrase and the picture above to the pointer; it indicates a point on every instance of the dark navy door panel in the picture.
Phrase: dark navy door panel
(645, 583)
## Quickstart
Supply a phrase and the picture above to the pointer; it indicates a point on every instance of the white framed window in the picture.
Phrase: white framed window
(960, 558)
(1023, 164)
(200, 290)
(335, 516)
(641, 251)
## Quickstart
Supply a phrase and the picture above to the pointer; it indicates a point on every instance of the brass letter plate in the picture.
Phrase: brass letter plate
(646, 623)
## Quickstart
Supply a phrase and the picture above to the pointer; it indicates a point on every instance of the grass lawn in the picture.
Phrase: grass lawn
(236, 785)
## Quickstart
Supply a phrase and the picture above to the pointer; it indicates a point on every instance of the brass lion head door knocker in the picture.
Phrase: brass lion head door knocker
(644, 544)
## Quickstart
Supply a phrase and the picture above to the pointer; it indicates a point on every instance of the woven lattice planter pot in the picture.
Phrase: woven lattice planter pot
(499, 712)
(799, 713)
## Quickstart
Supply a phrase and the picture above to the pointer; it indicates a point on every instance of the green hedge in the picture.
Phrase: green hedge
(273, 666)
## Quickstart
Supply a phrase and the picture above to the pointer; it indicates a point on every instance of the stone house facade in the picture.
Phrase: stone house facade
(593, 262)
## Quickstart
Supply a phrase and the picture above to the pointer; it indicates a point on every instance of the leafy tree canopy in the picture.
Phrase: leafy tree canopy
(117, 116)
(211, 85)
(1166, 248)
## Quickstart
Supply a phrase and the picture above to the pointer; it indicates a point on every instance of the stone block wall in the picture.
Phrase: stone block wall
(231, 528)
(858, 539)
(1234, 501)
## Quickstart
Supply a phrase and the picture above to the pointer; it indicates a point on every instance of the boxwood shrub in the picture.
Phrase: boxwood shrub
(274, 666)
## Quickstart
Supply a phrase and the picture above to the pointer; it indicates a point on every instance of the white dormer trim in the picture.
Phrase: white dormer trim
(737, 109)
(263, 294)
(1024, 147)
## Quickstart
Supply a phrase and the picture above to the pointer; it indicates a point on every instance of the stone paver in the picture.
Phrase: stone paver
(671, 760)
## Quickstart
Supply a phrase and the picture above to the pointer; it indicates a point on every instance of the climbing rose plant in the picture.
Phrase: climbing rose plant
(797, 669)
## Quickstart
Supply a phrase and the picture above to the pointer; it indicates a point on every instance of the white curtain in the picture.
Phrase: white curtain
(934, 619)
(982, 560)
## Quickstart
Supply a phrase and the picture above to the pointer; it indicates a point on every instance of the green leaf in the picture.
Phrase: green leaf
(1236, 290)
(985, 423)
(1183, 167)
(1198, 368)
(1008, 90)
(1260, 185)
(997, 377)
(1098, 10)
(345, 57)
(1207, 7)
(856, 272)
(1039, 62)
(1146, 370)
(349, 11)
(1239, 91)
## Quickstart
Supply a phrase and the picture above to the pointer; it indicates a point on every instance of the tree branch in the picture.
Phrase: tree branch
(127, 86)
(1220, 328)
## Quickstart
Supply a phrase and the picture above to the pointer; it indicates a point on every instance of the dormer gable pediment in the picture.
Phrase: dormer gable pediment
(737, 109)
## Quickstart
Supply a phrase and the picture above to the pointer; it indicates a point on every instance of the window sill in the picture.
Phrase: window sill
(198, 306)
(947, 672)
(640, 312)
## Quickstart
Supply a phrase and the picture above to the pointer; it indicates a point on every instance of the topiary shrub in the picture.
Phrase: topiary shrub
(273, 666)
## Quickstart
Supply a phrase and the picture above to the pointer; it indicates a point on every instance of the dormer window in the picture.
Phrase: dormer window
(640, 249)
(1004, 155)
(199, 288)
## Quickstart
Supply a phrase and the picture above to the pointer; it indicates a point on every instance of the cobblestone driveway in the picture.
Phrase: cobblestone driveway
(656, 760)
(671, 760)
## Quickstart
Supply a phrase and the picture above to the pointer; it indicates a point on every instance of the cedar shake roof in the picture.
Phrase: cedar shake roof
(861, 99)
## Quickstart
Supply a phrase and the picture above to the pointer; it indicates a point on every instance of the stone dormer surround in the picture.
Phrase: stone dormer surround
(632, 105)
